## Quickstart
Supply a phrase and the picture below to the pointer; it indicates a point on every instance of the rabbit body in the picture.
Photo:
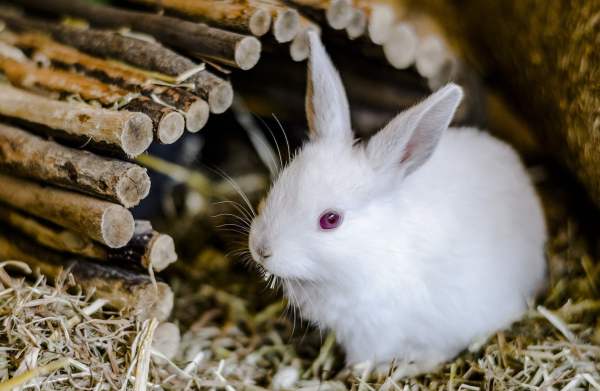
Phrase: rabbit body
(449, 257)
(441, 236)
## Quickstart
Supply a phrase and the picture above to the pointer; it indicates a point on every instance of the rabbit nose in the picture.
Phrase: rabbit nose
(263, 252)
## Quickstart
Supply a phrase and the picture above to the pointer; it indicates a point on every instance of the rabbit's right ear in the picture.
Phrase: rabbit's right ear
(409, 140)
(327, 109)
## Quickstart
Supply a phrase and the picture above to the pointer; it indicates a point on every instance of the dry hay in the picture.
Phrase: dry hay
(235, 336)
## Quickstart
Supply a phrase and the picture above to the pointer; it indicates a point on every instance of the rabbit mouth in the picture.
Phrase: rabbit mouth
(274, 280)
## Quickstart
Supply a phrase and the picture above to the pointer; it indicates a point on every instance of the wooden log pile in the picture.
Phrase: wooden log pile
(85, 88)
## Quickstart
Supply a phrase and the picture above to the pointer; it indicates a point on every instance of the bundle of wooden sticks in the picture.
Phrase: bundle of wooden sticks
(88, 87)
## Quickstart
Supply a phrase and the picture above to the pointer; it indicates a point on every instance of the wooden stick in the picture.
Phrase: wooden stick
(217, 92)
(106, 222)
(54, 237)
(286, 21)
(168, 124)
(28, 155)
(358, 24)
(114, 73)
(27, 75)
(299, 48)
(401, 46)
(169, 127)
(381, 19)
(235, 15)
(144, 54)
(286, 25)
(198, 39)
(147, 247)
(195, 109)
(432, 55)
(338, 13)
(128, 131)
(45, 48)
(123, 289)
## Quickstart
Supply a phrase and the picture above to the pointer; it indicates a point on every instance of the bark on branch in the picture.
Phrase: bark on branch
(168, 126)
(299, 48)
(337, 13)
(51, 236)
(380, 19)
(234, 15)
(126, 131)
(167, 123)
(106, 222)
(144, 54)
(123, 289)
(247, 16)
(200, 40)
(147, 248)
(28, 155)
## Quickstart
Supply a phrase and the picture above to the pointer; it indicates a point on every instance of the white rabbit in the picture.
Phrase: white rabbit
(410, 246)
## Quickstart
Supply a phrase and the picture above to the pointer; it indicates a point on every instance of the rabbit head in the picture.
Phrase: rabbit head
(329, 201)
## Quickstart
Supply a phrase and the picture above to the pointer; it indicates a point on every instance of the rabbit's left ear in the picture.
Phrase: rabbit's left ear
(409, 139)
(327, 109)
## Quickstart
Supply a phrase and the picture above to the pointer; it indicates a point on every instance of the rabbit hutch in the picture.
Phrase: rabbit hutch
(138, 137)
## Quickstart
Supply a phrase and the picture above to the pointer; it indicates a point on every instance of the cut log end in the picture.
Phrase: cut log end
(431, 56)
(137, 135)
(247, 53)
(133, 187)
(170, 128)
(381, 22)
(286, 25)
(447, 72)
(339, 14)
(123, 289)
(260, 22)
(117, 226)
(166, 340)
(300, 49)
(401, 46)
(162, 252)
(220, 98)
(154, 301)
(357, 25)
(196, 116)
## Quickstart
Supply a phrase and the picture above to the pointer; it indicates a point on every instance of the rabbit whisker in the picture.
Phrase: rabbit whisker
(245, 213)
(276, 145)
(239, 218)
(239, 190)
(287, 142)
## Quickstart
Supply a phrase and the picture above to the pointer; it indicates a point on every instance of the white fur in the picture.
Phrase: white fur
(441, 241)
(327, 109)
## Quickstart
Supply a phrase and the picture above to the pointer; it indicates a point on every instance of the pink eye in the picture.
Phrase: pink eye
(330, 220)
